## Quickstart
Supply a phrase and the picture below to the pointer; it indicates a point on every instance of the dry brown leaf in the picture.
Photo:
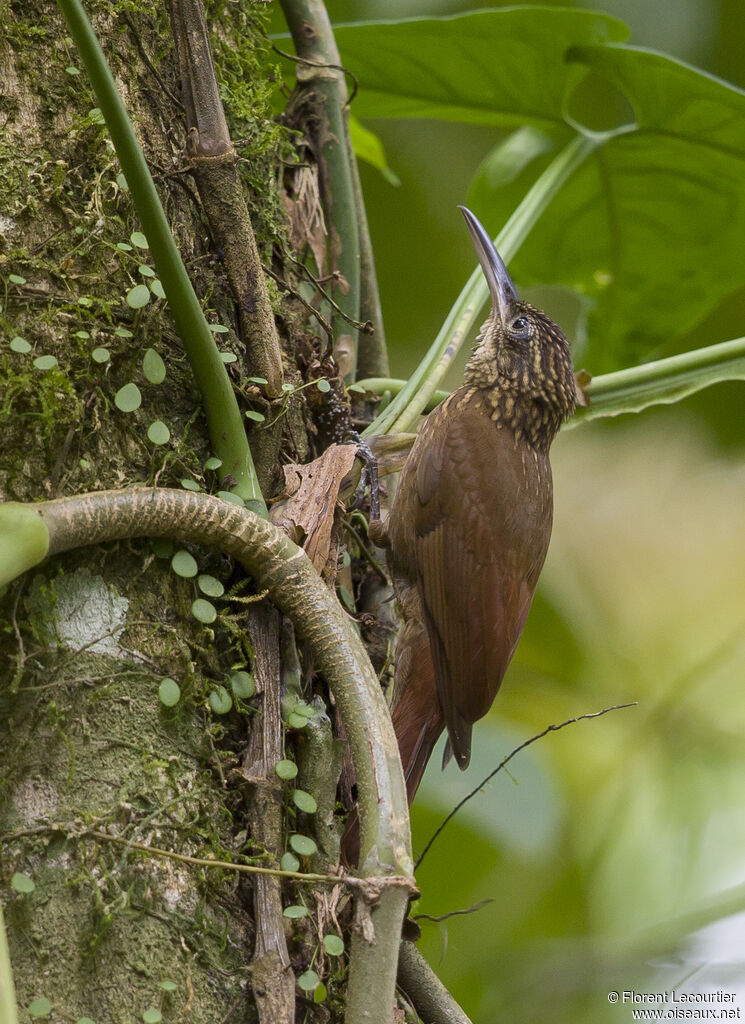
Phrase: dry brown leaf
(308, 514)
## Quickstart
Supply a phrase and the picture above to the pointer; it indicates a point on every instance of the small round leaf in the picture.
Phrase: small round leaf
(123, 332)
(184, 564)
(204, 611)
(258, 380)
(128, 398)
(289, 862)
(169, 692)
(229, 357)
(16, 279)
(157, 288)
(319, 993)
(124, 246)
(236, 499)
(303, 709)
(145, 270)
(137, 238)
(45, 362)
(168, 986)
(213, 462)
(138, 296)
(158, 432)
(40, 1007)
(218, 328)
(286, 769)
(72, 70)
(257, 417)
(323, 385)
(100, 355)
(220, 700)
(22, 883)
(295, 912)
(303, 845)
(152, 1016)
(297, 721)
(308, 981)
(19, 345)
(242, 684)
(122, 182)
(190, 485)
(304, 801)
(333, 944)
(82, 334)
(210, 586)
(84, 1020)
(153, 367)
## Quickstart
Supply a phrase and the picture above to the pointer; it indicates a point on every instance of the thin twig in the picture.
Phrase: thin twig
(369, 556)
(21, 659)
(307, 878)
(322, 64)
(361, 325)
(500, 766)
(454, 913)
(296, 295)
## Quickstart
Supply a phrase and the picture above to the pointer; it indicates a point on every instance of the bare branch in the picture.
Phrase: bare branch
(500, 766)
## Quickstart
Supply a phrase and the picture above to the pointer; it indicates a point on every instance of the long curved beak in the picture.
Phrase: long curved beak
(503, 292)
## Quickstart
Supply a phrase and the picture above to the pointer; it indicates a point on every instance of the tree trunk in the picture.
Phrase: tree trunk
(87, 739)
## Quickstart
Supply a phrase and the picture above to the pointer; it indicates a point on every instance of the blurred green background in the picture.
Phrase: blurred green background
(608, 851)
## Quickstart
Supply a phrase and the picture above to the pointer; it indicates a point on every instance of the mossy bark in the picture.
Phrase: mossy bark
(84, 738)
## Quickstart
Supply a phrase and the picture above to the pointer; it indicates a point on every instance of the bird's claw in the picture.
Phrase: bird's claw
(368, 476)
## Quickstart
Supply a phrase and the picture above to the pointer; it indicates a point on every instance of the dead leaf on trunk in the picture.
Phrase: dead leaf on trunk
(307, 516)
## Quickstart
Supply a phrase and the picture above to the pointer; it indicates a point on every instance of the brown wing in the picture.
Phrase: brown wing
(482, 522)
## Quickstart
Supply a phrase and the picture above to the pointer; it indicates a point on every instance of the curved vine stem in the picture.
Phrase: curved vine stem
(284, 570)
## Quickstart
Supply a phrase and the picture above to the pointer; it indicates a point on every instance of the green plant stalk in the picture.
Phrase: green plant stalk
(320, 72)
(8, 1005)
(372, 353)
(293, 585)
(431, 999)
(227, 433)
(662, 382)
(379, 386)
(403, 412)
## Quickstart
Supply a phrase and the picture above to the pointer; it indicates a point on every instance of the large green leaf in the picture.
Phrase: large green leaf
(652, 226)
(501, 67)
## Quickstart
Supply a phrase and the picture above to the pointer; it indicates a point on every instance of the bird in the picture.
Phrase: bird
(470, 523)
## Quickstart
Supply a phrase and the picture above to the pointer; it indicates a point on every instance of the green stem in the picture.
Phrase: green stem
(431, 999)
(379, 386)
(321, 78)
(372, 354)
(225, 424)
(403, 412)
(8, 1006)
(662, 382)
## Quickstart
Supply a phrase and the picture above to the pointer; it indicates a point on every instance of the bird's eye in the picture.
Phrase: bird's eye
(520, 326)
